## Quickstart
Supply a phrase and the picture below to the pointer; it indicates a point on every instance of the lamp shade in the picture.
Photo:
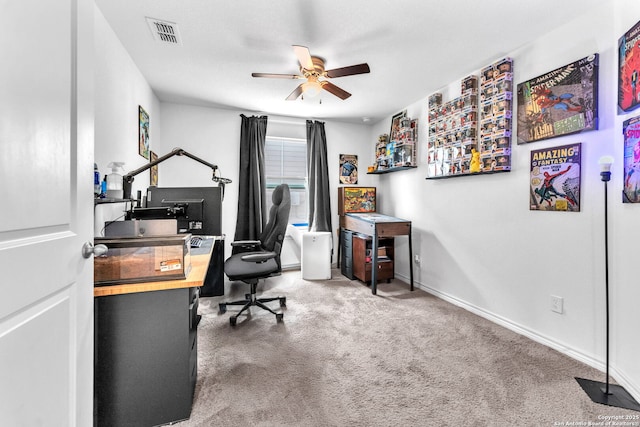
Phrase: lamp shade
(605, 163)
(311, 88)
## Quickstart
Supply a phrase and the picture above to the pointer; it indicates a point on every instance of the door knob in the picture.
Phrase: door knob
(88, 249)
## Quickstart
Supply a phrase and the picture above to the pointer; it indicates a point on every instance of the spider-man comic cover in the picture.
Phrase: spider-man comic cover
(560, 102)
(629, 69)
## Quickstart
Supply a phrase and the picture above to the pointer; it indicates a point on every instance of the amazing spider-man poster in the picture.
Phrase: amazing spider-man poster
(560, 102)
(555, 179)
(631, 132)
(628, 69)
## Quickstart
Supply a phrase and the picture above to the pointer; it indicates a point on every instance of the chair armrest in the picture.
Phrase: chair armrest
(259, 257)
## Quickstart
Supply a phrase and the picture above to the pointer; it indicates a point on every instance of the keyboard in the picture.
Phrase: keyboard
(196, 241)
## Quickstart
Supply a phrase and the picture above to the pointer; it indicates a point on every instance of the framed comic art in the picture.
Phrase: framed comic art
(560, 102)
(554, 183)
(356, 199)
(628, 69)
(143, 132)
(153, 179)
(394, 133)
(631, 132)
(348, 169)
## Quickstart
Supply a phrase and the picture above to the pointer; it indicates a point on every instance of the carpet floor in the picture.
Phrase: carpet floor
(345, 357)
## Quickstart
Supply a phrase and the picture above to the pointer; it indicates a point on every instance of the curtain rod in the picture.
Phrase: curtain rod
(285, 138)
(284, 120)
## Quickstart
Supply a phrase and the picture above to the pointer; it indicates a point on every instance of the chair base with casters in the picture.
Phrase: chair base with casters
(251, 300)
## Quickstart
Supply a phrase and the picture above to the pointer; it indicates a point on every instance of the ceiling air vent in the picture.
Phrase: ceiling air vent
(164, 31)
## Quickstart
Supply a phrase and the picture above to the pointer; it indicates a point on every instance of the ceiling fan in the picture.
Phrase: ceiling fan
(312, 69)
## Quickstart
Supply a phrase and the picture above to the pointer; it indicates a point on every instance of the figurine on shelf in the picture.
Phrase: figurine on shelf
(474, 167)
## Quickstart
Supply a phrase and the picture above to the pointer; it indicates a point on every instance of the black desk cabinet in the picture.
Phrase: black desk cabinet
(346, 257)
(145, 357)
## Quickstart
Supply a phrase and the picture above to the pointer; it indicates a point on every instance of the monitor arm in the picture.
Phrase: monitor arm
(127, 179)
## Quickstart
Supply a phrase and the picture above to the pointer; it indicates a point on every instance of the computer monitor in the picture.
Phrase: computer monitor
(202, 207)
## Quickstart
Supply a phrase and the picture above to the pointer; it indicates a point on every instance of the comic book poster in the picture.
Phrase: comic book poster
(631, 132)
(559, 102)
(348, 169)
(555, 179)
(628, 69)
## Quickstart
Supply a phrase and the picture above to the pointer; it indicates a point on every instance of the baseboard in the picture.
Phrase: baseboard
(624, 381)
(619, 377)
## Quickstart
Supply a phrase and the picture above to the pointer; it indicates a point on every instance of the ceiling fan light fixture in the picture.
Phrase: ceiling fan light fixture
(312, 69)
(311, 88)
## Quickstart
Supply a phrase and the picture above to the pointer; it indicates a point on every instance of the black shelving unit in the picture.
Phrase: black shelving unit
(346, 256)
(395, 169)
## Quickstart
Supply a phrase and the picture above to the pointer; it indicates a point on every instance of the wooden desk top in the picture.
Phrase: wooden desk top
(375, 217)
(199, 266)
(373, 223)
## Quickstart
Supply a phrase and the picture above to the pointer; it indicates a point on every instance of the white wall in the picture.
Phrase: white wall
(481, 246)
(120, 88)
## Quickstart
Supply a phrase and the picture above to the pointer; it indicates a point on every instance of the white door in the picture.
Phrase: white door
(46, 212)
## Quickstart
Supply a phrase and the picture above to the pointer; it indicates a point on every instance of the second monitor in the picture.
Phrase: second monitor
(202, 207)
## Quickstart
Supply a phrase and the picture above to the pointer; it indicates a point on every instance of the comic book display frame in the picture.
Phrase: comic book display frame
(629, 70)
(356, 200)
(561, 102)
(555, 175)
(153, 170)
(348, 169)
(471, 134)
(143, 132)
(631, 184)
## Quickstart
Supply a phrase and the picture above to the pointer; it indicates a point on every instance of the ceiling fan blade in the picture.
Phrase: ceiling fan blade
(304, 57)
(277, 76)
(331, 88)
(348, 71)
(295, 94)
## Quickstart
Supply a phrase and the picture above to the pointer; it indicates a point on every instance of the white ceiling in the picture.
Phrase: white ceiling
(413, 47)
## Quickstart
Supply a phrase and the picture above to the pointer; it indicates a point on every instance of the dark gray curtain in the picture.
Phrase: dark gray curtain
(252, 204)
(318, 172)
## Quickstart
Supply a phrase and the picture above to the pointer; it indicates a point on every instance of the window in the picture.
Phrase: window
(286, 162)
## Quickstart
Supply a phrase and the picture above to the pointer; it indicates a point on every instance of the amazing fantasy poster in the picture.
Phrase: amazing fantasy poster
(555, 179)
(631, 132)
(560, 102)
(628, 69)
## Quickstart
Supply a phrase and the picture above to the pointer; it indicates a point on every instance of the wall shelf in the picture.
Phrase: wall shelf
(467, 174)
(108, 200)
(394, 169)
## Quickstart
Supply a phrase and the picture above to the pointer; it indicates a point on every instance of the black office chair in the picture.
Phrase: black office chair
(259, 259)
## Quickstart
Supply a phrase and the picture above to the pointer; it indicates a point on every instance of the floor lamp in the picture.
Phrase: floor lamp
(605, 393)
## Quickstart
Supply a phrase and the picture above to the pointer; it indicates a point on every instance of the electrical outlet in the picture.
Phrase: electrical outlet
(557, 304)
(416, 259)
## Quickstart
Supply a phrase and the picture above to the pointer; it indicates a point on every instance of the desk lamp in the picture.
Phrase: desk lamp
(127, 179)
